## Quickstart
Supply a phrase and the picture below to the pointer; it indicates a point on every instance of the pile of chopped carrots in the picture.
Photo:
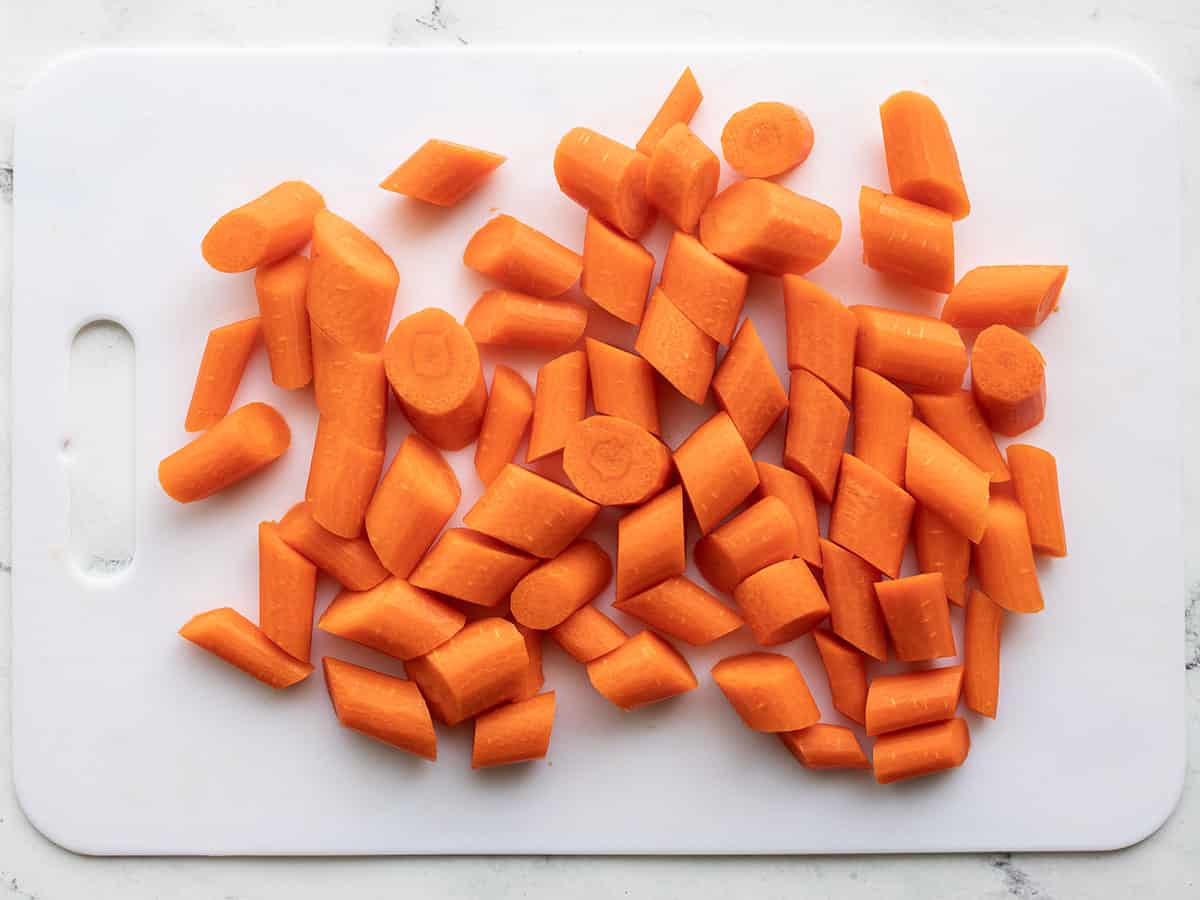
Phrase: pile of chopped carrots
(467, 608)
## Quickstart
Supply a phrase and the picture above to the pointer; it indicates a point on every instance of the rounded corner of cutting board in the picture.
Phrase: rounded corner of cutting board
(46, 823)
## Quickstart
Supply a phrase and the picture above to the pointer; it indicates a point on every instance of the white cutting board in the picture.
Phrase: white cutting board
(128, 740)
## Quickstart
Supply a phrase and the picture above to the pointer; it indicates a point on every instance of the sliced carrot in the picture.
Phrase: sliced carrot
(650, 543)
(228, 634)
(1035, 478)
(705, 288)
(622, 385)
(550, 593)
(797, 496)
(918, 616)
(717, 470)
(351, 284)
(442, 172)
(941, 548)
(1004, 559)
(533, 678)
(882, 413)
(767, 690)
(846, 669)
(287, 592)
(766, 139)
(616, 271)
(909, 348)
(915, 243)
(981, 654)
(471, 567)
(509, 319)
(958, 421)
(854, 612)
(433, 366)
(821, 334)
(514, 733)
(678, 350)
(645, 669)
(394, 617)
(352, 562)
(781, 602)
(505, 420)
(341, 479)
(267, 228)
(531, 513)
(871, 516)
(680, 608)
(681, 104)
(1008, 379)
(242, 443)
(748, 388)
(1018, 296)
(816, 432)
(559, 402)
(759, 536)
(908, 699)
(282, 291)
(615, 462)
(588, 634)
(350, 387)
(763, 226)
(606, 178)
(824, 746)
(381, 706)
(682, 176)
(226, 353)
(921, 751)
(522, 258)
(921, 160)
(941, 478)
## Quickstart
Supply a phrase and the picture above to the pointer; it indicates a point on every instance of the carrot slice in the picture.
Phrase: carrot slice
(921, 160)
(705, 288)
(882, 413)
(559, 402)
(918, 616)
(678, 350)
(915, 243)
(510, 319)
(226, 353)
(759, 536)
(248, 439)
(717, 470)
(1004, 559)
(351, 388)
(909, 348)
(351, 284)
(351, 561)
(941, 548)
(871, 516)
(614, 462)
(681, 104)
(282, 291)
(921, 751)
(588, 634)
(287, 592)
(908, 699)
(981, 654)
(380, 706)
(854, 612)
(533, 678)
(944, 480)
(767, 690)
(680, 608)
(1018, 296)
(781, 602)
(682, 176)
(821, 334)
(846, 669)
(824, 746)
(531, 513)
(748, 388)
(514, 733)
(505, 419)
(622, 385)
(1035, 478)
(471, 567)
(606, 178)
(797, 496)
(616, 271)
(645, 669)
(1008, 379)
(522, 258)
(394, 617)
(957, 420)
(267, 228)
(555, 589)
(228, 634)
(650, 543)
(341, 479)
(766, 139)
(442, 172)
(816, 432)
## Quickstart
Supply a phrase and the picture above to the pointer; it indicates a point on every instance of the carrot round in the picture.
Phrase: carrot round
(682, 176)
(941, 478)
(766, 139)
(394, 617)
(921, 751)
(287, 592)
(616, 271)
(918, 616)
(846, 669)
(471, 567)
(854, 613)
(767, 690)
(510, 319)
(531, 513)
(1004, 558)
(623, 385)
(514, 733)
(588, 634)
(533, 677)
(226, 353)
(717, 470)
(680, 608)
(522, 258)
(606, 178)
(341, 479)
(242, 443)
(555, 589)
(797, 496)
(1008, 379)
(910, 348)
(380, 706)
(681, 104)
(351, 561)
(908, 699)
(823, 746)
(1035, 478)
(763, 226)
(759, 536)
(942, 548)
(816, 432)
(505, 420)
(1018, 296)
(282, 291)
(228, 634)
(350, 387)
(705, 288)
(821, 334)
(957, 420)
(645, 669)
(614, 462)
(921, 160)
(351, 284)
(748, 388)
(781, 602)
(676, 348)
(650, 543)
(442, 172)
(433, 366)
(914, 243)
(559, 402)
(981, 654)
(267, 228)
(871, 516)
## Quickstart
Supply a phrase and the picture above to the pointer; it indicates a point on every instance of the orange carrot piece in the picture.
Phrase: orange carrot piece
(958, 421)
(921, 160)
(550, 593)
(531, 513)
(351, 388)
(480, 667)
(915, 243)
(352, 562)
(882, 413)
(824, 746)
(781, 602)
(681, 104)
(941, 548)
(981, 654)
(522, 258)
(509, 319)
(282, 291)
(1004, 559)
(910, 348)
(717, 470)
(1035, 478)
(821, 334)
(533, 678)
(797, 496)
(854, 612)
(705, 288)
(676, 348)
(871, 516)
(622, 385)
(514, 733)
(941, 478)
(650, 543)
(228, 634)
(380, 706)
(442, 172)
(341, 480)
(394, 617)
(287, 592)
(606, 178)
(471, 567)
(614, 462)
(757, 537)
(1008, 379)
(616, 271)
(267, 228)
(846, 669)
(242, 443)
(680, 608)
(588, 634)
(682, 176)
(766, 139)
(226, 353)
(748, 388)
(505, 419)
(351, 284)
(645, 669)
(1018, 296)
(921, 751)
(908, 699)
(767, 690)
(433, 366)
(918, 616)
(816, 432)
(762, 226)
(559, 402)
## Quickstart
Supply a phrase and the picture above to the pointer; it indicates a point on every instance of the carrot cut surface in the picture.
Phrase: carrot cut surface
(682, 176)
(531, 513)
(559, 402)
(351, 284)
(267, 228)
(680, 608)
(907, 699)
(761, 535)
(766, 139)
(1004, 559)
(918, 616)
(380, 706)
(846, 669)
(921, 751)
(616, 271)
(287, 592)
(717, 470)
(981, 654)
(816, 432)
(705, 288)
(823, 746)
(394, 617)
(912, 242)
(921, 160)
(282, 291)
(350, 387)
(681, 104)
(683, 354)
(747, 387)
(588, 634)
(622, 385)
(510, 319)
(768, 692)
(1018, 296)
(341, 479)
(797, 496)
(514, 733)
(1035, 478)
(1008, 379)
(821, 334)
(505, 420)
(226, 353)
(350, 560)
(614, 462)
(909, 348)
(650, 543)
(942, 548)
(550, 593)
(882, 413)
(522, 258)
(643, 670)
(606, 178)
(243, 442)
(533, 679)
(442, 172)
(471, 567)
(945, 481)
(957, 420)
(854, 613)
(781, 602)
(228, 634)
(871, 516)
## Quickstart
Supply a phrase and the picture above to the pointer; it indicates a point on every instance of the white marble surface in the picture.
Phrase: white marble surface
(1165, 33)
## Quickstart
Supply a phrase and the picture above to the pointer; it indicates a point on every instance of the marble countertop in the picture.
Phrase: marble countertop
(1164, 33)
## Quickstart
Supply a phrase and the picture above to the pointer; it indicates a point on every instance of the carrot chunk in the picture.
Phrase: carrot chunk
(747, 387)
(681, 104)
(380, 706)
(816, 432)
(351, 284)
(824, 746)
(1004, 559)
(677, 349)
(682, 176)
(341, 479)
(522, 258)
(533, 678)
(616, 271)
(680, 608)
(282, 291)
(766, 139)
(908, 699)
(882, 413)
(797, 496)
(267, 228)
(505, 420)
(705, 288)
(781, 602)
(942, 548)
(287, 592)
(1018, 296)
(550, 593)
(588, 634)
(1035, 478)
(531, 513)
(514, 733)
(645, 669)
(909, 348)
(614, 462)
(981, 654)
(243, 442)
(559, 402)
(509, 319)
(921, 751)
(768, 692)
(471, 567)
(226, 353)
(761, 535)
(1008, 379)
(871, 516)
(622, 384)
(228, 634)
(442, 172)
(854, 612)
(921, 160)
(717, 470)
(915, 243)
(941, 478)
(846, 669)
(650, 543)
(394, 617)
(918, 616)
(351, 388)
(957, 420)
(351, 561)
(606, 178)
(821, 334)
